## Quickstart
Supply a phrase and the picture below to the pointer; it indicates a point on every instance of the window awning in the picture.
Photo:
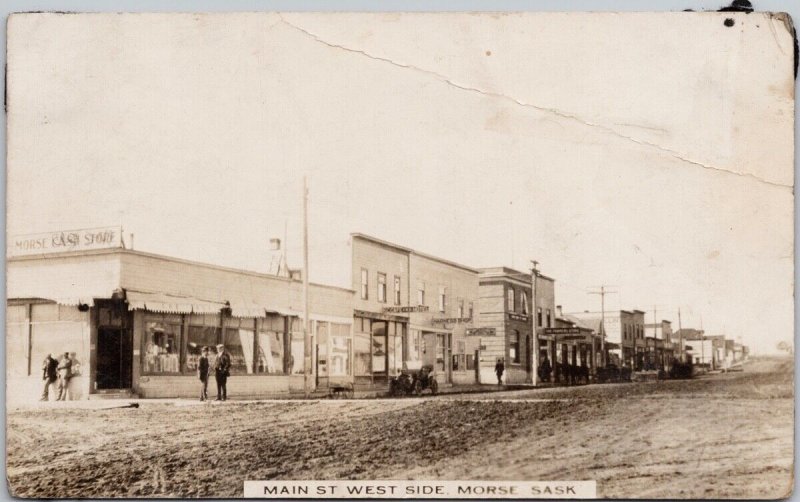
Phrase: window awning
(169, 304)
(245, 308)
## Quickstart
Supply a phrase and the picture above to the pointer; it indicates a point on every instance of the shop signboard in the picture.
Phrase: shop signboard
(517, 317)
(451, 320)
(64, 241)
(407, 309)
(481, 332)
(562, 331)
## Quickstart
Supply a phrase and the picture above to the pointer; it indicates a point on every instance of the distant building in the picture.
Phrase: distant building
(624, 329)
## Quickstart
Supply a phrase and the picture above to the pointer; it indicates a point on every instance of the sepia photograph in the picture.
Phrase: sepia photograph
(389, 255)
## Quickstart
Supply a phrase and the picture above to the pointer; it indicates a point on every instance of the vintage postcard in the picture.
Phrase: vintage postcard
(400, 255)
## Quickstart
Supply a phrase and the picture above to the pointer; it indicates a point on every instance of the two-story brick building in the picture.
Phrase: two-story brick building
(505, 305)
(135, 323)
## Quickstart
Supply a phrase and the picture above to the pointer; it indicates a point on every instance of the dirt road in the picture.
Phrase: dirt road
(715, 437)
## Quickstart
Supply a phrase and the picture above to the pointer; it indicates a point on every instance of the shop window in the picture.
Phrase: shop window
(510, 300)
(162, 347)
(381, 287)
(297, 347)
(361, 353)
(470, 362)
(379, 347)
(239, 344)
(269, 352)
(440, 348)
(396, 290)
(199, 337)
(339, 350)
(364, 284)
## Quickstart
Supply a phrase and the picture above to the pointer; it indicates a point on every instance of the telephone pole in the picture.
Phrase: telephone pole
(680, 336)
(306, 320)
(534, 331)
(603, 292)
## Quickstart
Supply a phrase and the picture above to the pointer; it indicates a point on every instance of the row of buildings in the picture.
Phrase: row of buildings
(135, 322)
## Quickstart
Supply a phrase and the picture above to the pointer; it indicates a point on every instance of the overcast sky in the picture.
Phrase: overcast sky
(651, 154)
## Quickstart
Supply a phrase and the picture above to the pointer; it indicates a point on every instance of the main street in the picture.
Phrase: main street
(724, 435)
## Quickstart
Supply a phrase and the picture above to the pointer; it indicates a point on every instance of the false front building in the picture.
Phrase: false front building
(135, 323)
(410, 309)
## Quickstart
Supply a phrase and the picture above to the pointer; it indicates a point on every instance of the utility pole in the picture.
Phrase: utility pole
(535, 332)
(306, 320)
(680, 335)
(603, 292)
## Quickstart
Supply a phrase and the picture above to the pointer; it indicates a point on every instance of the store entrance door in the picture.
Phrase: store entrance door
(114, 359)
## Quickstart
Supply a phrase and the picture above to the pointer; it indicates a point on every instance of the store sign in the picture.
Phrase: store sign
(404, 310)
(451, 320)
(517, 317)
(65, 241)
(562, 331)
(481, 332)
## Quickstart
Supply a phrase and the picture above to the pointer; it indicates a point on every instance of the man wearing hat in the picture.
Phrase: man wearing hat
(222, 369)
(64, 374)
(49, 375)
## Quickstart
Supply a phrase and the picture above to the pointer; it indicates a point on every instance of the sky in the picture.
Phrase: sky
(653, 155)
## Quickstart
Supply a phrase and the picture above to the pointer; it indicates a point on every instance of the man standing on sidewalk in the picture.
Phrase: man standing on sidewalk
(499, 368)
(222, 369)
(49, 375)
(64, 374)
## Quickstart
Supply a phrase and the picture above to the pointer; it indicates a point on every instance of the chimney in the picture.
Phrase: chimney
(559, 313)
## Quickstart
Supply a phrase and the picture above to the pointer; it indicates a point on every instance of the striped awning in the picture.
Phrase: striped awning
(170, 304)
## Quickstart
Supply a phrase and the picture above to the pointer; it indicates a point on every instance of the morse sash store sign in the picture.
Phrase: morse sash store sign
(64, 241)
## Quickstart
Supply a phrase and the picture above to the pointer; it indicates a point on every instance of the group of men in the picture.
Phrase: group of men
(56, 371)
(222, 370)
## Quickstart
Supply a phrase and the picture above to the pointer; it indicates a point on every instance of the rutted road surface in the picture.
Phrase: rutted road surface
(715, 437)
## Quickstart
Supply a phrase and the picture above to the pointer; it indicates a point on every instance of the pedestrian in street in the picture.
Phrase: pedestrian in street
(49, 375)
(499, 368)
(202, 373)
(64, 374)
(222, 369)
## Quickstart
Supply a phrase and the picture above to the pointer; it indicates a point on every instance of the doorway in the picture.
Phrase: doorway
(114, 369)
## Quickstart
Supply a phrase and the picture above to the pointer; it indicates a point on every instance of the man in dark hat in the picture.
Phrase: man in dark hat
(222, 369)
(49, 375)
(499, 368)
(202, 373)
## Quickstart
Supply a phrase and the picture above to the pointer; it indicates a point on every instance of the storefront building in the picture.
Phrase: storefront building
(576, 347)
(135, 323)
(410, 309)
(625, 329)
(506, 305)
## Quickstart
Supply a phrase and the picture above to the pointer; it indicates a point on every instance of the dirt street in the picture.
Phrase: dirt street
(715, 437)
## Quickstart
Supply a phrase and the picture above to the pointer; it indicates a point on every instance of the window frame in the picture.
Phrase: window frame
(511, 299)
(381, 291)
(397, 291)
(364, 284)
